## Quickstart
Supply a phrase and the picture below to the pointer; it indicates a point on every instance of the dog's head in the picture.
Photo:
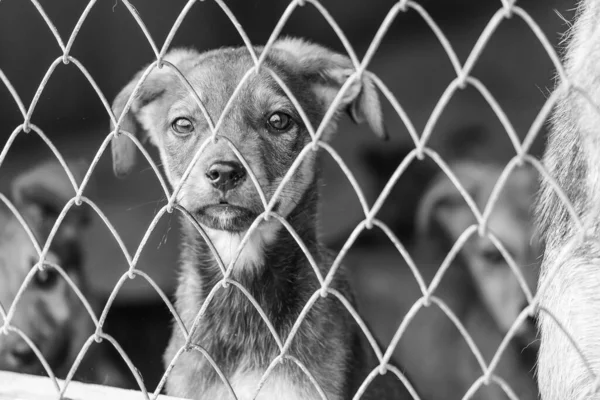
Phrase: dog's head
(49, 312)
(262, 124)
(443, 209)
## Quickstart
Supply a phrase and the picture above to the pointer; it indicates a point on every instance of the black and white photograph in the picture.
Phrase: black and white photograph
(300, 199)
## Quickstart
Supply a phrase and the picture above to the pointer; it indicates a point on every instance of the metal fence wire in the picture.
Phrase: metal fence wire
(507, 9)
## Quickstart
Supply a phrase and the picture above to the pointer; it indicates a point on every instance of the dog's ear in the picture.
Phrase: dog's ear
(124, 151)
(442, 207)
(327, 72)
(41, 194)
(154, 86)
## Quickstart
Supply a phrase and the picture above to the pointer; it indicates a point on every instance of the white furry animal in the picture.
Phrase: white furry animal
(479, 287)
(266, 128)
(49, 312)
(569, 285)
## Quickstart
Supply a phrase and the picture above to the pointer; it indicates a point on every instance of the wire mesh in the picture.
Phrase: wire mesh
(507, 9)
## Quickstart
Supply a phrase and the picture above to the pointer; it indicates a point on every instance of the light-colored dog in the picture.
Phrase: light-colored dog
(479, 287)
(510, 221)
(570, 279)
(49, 312)
(267, 130)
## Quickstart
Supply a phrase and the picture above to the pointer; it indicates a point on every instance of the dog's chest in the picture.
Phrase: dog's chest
(275, 387)
(245, 385)
(194, 377)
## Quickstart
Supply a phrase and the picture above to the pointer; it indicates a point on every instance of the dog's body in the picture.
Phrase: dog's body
(49, 312)
(267, 130)
(479, 287)
(231, 315)
(570, 282)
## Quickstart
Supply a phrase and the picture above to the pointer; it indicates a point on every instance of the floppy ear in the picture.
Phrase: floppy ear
(42, 192)
(154, 86)
(327, 72)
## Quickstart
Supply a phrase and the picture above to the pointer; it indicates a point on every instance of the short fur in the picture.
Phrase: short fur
(49, 312)
(467, 142)
(479, 287)
(271, 267)
(510, 221)
(569, 283)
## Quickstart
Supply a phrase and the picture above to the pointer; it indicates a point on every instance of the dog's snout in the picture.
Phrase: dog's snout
(226, 175)
(22, 355)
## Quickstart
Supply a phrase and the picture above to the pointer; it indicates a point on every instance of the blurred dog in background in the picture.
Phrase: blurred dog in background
(49, 312)
(444, 214)
(480, 287)
(397, 212)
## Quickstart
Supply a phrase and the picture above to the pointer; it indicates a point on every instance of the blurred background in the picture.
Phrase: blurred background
(410, 61)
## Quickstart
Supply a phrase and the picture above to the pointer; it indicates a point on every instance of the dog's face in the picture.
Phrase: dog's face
(262, 124)
(49, 312)
(510, 221)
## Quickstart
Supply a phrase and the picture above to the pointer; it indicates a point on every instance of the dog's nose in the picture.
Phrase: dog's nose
(23, 356)
(226, 175)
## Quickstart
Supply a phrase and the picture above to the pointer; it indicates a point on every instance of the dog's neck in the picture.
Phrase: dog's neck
(272, 268)
(281, 281)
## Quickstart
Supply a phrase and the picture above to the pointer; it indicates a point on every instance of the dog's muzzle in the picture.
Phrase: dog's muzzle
(226, 175)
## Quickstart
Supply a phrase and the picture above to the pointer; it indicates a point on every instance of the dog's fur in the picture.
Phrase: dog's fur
(49, 312)
(479, 287)
(510, 221)
(569, 282)
(271, 266)
(468, 142)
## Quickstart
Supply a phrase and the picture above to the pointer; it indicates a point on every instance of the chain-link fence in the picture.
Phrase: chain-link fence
(507, 9)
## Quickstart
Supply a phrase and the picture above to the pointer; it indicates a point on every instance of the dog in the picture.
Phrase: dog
(473, 142)
(568, 287)
(479, 287)
(510, 221)
(49, 312)
(265, 127)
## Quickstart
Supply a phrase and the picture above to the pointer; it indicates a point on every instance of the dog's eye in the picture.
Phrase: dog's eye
(279, 122)
(182, 126)
(46, 278)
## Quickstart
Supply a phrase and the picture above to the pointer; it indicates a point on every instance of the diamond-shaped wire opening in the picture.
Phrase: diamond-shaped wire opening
(507, 10)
